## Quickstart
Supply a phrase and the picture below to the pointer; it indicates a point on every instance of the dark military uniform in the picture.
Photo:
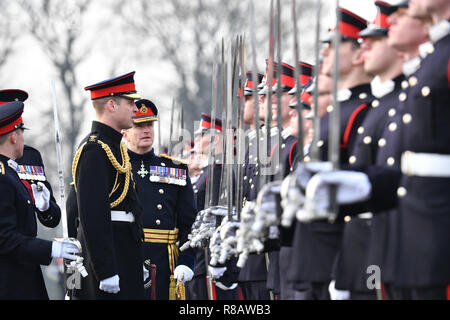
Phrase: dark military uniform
(197, 287)
(109, 247)
(316, 244)
(253, 275)
(31, 170)
(351, 266)
(21, 253)
(424, 205)
(165, 190)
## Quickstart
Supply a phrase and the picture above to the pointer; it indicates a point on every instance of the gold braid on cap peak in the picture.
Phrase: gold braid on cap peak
(125, 168)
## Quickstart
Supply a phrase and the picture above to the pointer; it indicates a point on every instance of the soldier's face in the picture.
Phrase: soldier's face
(248, 110)
(140, 137)
(378, 55)
(347, 52)
(19, 142)
(285, 99)
(125, 110)
(406, 32)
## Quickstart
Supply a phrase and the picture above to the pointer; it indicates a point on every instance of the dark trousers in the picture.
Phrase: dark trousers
(197, 289)
(432, 293)
(254, 290)
(311, 291)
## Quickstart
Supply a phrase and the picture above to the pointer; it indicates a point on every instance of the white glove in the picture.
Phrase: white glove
(216, 272)
(110, 285)
(41, 196)
(146, 272)
(352, 186)
(338, 294)
(306, 170)
(66, 250)
(183, 274)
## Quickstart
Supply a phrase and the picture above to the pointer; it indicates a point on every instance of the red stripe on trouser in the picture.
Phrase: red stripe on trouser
(448, 292)
(213, 289)
(383, 292)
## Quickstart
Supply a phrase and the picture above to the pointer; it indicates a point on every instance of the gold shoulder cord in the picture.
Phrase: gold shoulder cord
(125, 168)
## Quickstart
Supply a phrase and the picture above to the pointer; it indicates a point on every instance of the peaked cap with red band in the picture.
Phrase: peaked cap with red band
(349, 27)
(206, 123)
(147, 111)
(265, 78)
(305, 76)
(9, 95)
(249, 85)
(11, 117)
(188, 148)
(121, 86)
(380, 26)
(286, 77)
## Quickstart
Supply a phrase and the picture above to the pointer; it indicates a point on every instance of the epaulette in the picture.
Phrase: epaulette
(93, 138)
(175, 160)
(2, 168)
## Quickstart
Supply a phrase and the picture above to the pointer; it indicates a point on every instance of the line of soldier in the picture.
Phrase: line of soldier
(131, 210)
(393, 86)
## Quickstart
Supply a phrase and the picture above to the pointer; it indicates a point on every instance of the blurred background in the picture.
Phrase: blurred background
(169, 43)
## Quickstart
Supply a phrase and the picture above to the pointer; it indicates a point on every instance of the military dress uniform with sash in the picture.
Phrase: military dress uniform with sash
(165, 191)
(110, 216)
(21, 253)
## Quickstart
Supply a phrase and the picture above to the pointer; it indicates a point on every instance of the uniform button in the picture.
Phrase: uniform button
(392, 126)
(330, 108)
(390, 161)
(195, 191)
(407, 118)
(161, 191)
(412, 81)
(250, 180)
(158, 222)
(252, 186)
(401, 192)
(392, 112)
(159, 206)
(404, 84)
(425, 91)
(361, 130)
(163, 164)
(28, 201)
(283, 146)
(367, 139)
(307, 159)
(320, 143)
(375, 103)
(256, 173)
(363, 95)
(382, 142)
(402, 96)
(347, 218)
(245, 177)
(352, 160)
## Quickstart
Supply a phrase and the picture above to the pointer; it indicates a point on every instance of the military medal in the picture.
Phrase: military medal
(142, 171)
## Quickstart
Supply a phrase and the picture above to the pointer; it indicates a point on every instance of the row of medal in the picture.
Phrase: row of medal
(166, 175)
(26, 172)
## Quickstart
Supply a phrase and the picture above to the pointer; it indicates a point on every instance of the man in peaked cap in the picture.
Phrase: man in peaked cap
(316, 244)
(385, 64)
(32, 173)
(249, 87)
(20, 251)
(109, 212)
(225, 285)
(165, 191)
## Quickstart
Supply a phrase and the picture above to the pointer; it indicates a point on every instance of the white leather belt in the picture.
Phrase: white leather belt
(122, 216)
(365, 215)
(426, 164)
